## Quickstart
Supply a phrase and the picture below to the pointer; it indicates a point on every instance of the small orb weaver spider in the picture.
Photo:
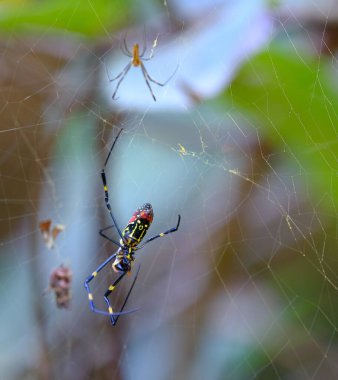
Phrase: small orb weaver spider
(130, 238)
(137, 59)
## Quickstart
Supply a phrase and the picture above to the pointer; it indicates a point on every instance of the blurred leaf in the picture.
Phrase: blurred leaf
(26, 139)
(290, 98)
(87, 17)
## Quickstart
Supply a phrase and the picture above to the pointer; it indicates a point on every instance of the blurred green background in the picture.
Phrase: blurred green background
(242, 142)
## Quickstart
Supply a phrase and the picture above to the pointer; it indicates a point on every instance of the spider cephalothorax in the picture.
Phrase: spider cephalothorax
(132, 235)
(138, 225)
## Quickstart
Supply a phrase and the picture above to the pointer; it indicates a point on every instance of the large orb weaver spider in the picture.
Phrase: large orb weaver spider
(137, 59)
(130, 238)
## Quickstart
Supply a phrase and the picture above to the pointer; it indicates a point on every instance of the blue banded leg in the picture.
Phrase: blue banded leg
(107, 293)
(90, 278)
(105, 188)
(115, 316)
(90, 295)
(162, 233)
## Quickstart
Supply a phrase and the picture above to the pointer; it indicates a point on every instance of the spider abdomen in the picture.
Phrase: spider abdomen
(138, 225)
(136, 61)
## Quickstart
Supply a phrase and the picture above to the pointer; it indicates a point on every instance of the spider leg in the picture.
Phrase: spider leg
(90, 278)
(126, 53)
(117, 76)
(162, 233)
(125, 48)
(104, 181)
(145, 72)
(149, 79)
(107, 237)
(144, 48)
(105, 188)
(145, 75)
(122, 75)
(90, 295)
(112, 147)
(115, 316)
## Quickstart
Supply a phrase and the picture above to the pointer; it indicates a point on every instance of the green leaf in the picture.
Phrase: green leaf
(293, 102)
(87, 17)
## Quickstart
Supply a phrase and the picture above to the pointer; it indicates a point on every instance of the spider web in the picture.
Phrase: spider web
(241, 142)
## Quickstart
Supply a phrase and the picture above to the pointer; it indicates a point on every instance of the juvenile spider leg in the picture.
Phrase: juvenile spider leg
(144, 48)
(147, 81)
(124, 48)
(122, 74)
(117, 76)
(128, 53)
(145, 72)
(148, 78)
